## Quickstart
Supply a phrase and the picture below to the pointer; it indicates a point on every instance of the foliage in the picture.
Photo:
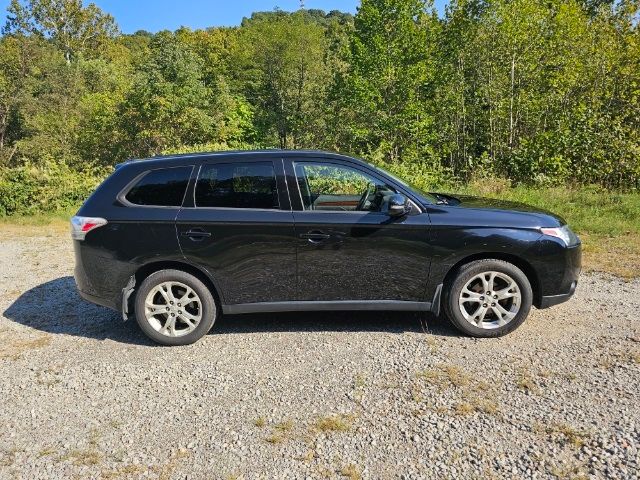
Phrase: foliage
(539, 93)
(51, 187)
(279, 62)
(390, 79)
(73, 28)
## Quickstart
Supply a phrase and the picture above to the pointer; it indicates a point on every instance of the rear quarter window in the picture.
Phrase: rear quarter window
(163, 187)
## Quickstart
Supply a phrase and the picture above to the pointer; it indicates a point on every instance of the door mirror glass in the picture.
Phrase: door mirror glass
(397, 205)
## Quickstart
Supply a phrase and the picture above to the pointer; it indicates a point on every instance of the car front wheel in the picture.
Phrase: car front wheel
(174, 308)
(488, 298)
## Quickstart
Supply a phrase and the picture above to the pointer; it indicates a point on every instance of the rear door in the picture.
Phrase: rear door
(238, 225)
(348, 248)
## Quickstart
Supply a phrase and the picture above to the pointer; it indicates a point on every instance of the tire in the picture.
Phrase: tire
(177, 323)
(476, 276)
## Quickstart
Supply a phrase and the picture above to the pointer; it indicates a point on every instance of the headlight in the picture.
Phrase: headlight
(564, 233)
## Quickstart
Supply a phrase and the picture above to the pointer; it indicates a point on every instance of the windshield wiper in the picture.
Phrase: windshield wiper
(441, 199)
(445, 199)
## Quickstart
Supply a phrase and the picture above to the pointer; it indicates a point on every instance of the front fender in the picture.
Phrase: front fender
(453, 245)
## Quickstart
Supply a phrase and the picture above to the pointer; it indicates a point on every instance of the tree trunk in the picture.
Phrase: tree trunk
(511, 101)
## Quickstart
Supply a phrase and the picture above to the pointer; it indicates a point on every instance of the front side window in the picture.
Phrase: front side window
(237, 185)
(164, 187)
(327, 186)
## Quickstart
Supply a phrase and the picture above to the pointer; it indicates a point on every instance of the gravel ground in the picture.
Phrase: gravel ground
(342, 395)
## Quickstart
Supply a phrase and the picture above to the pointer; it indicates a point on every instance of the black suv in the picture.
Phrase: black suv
(179, 240)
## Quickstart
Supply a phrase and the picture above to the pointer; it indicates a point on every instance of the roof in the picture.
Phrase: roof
(239, 153)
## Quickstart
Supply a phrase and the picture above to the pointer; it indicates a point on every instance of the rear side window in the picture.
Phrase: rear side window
(164, 187)
(237, 185)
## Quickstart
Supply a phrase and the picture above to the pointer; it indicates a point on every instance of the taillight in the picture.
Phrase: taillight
(80, 226)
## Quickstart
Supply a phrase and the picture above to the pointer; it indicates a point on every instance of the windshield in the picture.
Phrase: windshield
(418, 191)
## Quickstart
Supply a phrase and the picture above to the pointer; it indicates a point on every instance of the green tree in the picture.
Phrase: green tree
(75, 29)
(168, 103)
(279, 61)
(390, 80)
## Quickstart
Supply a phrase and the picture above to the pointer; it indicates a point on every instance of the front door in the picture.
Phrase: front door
(240, 228)
(348, 248)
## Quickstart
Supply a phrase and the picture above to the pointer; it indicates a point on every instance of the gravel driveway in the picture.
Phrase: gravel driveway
(317, 395)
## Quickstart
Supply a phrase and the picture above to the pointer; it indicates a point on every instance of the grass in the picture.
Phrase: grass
(607, 222)
(8, 457)
(285, 426)
(87, 457)
(334, 423)
(14, 349)
(47, 451)
(526, 383)
(46, 225)
(629, 356)
(281, 432)
(474, 396)
(360, 381)
(351, 472)
(570, 472)
(444, 376)
(275, 438)
(127, 471)
(564, 433)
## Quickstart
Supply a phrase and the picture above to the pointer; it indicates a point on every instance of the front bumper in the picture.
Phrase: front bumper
(551, 300)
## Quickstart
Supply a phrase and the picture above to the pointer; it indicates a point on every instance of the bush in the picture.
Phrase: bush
(423, 175)
(53, 187)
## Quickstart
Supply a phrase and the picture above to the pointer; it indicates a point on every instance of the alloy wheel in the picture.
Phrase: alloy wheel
(173, 309)
(490, 300)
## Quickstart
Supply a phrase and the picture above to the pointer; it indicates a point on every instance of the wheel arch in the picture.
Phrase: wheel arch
(149, 268)
(519, 262)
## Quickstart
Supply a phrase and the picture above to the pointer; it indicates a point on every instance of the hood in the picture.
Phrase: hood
(499, 207)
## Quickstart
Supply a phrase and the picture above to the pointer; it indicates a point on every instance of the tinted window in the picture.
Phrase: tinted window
(164, 187)
(326, 186)
(237, 185)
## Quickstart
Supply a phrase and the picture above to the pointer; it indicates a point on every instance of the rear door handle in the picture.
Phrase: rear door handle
(196, 234)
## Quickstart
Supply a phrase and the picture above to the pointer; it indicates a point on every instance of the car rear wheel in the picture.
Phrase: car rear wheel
(488, 298)
(174, 308)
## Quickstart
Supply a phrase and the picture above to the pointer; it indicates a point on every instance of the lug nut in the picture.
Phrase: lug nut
(173, 314)
(179, 305)
(495, 296)
(484, 305)
(179, 312)
(171, 303)
(493, 304)
(481, 298)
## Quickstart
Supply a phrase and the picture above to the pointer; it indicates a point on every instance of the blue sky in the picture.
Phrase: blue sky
(154, 15)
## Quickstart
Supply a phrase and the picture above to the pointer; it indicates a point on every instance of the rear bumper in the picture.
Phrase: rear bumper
(551, 300)
(104, 302)
(100, 279)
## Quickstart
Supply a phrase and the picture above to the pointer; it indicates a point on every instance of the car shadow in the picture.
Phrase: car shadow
(55, 307)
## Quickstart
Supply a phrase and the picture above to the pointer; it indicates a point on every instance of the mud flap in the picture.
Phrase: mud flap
(126, 293)
(435, 305)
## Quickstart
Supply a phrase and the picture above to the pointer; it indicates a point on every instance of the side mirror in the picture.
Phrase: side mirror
(398, 205)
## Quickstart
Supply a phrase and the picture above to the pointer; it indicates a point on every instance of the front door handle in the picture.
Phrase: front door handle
(196, 234)
(315, 237)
